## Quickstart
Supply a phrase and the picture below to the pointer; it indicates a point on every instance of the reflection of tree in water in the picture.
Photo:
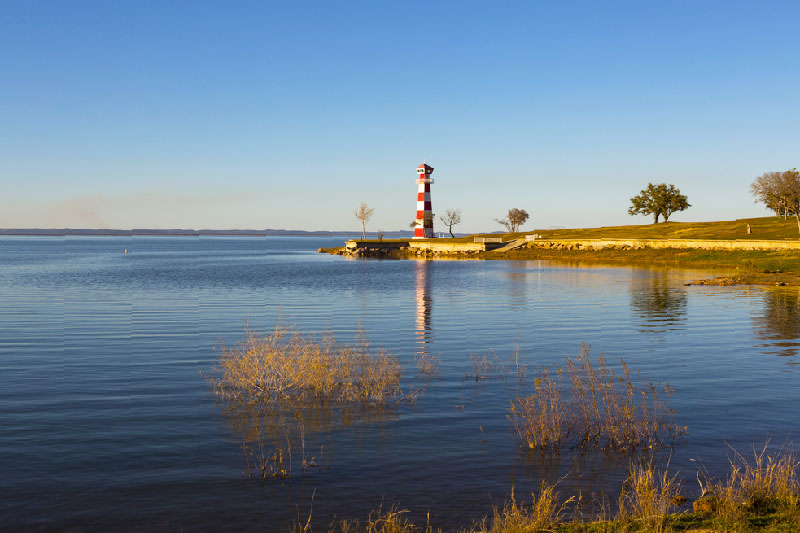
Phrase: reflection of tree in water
(780, 321)
(658, 302)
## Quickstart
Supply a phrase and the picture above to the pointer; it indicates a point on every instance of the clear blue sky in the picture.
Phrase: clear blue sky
(289, 114)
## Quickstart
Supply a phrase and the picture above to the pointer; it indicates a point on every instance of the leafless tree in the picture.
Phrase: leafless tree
(364, 213)
(514, 219)
(450, 219)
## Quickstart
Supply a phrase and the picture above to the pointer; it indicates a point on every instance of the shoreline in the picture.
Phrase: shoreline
(726, 267)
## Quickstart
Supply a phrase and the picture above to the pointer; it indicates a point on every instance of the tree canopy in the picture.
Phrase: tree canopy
(779, 192)
(658, 200)
(514, 219)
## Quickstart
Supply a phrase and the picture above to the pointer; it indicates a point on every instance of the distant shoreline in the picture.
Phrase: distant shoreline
(53, 232)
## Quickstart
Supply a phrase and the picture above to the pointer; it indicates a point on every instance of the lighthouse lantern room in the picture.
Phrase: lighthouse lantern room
(424, 227)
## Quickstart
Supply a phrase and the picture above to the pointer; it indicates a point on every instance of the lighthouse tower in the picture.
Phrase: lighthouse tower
(424, 227)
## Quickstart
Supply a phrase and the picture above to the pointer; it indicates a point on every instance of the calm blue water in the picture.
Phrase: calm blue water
(107, 423)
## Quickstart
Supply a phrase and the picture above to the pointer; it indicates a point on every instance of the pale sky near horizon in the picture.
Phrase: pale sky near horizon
(159, 114)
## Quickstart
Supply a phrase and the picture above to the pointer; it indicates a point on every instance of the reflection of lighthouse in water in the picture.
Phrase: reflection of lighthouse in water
(424, 305)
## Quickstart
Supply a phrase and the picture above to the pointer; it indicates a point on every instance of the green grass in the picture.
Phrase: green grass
(769, 228)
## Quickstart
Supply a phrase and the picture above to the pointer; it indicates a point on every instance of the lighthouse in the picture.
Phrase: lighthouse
(424, 227)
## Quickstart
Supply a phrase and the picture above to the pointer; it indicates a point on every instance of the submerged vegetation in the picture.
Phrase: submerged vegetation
(585, 403)
(282, 392)
(279, 389)
(287, 365)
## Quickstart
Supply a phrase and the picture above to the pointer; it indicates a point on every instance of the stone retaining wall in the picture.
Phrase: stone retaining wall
(449, 247)
(597, 244)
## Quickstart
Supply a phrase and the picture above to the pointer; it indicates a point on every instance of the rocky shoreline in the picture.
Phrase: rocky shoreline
(402, 253)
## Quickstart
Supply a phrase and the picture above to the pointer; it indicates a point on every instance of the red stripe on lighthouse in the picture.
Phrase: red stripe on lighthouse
(424, 220)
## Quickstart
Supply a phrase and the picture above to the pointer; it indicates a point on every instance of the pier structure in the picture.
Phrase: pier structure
(424, 227)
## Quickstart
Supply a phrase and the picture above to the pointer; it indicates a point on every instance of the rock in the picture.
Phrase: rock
(706, 504)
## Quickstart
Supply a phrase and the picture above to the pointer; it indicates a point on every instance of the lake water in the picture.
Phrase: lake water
(106, 422)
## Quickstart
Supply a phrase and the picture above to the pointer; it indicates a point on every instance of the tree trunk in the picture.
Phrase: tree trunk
(450, 228)
(655, 217)
(363, 230)
(797, 216)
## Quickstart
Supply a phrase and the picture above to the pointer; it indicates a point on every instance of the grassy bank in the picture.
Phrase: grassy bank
(767, 228)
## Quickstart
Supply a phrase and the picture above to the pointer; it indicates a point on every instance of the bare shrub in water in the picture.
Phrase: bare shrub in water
(427, 366)
(288, 364)
(540, 419)
(587, 403)
(278, 389)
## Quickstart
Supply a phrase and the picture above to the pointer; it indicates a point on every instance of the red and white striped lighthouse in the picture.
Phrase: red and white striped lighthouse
(424, 227)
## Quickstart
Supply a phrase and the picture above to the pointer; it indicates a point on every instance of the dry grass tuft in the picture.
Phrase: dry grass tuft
(587, 403)
(767, 484)
(647, 497)
(391, 521)
(543, 514)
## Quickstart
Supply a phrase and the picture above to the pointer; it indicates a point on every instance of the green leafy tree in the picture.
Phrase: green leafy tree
(514, 219)
(658, 200)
